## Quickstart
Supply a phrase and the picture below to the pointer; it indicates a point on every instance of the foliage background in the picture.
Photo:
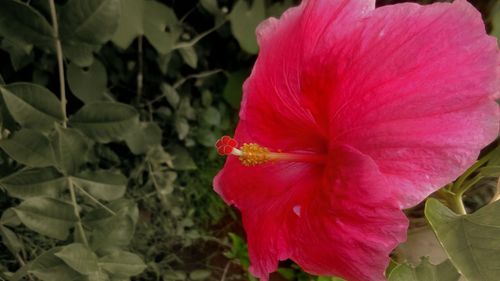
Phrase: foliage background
(159, 82)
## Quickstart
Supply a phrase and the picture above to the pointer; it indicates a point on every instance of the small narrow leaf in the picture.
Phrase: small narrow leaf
(105, 121)
(122, 264)
(103, 185)
(189, 56)
(34, 182)
(32, 106)
(10, 240)
(47, 216)
(471, 241)
(30, 148)
(79, 258)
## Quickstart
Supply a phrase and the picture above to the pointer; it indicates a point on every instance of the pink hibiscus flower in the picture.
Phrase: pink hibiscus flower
(352, 113)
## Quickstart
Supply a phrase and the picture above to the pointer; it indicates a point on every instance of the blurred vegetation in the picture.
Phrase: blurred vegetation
(150, 85)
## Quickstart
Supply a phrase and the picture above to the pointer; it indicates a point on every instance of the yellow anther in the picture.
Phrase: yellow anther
(253, 154)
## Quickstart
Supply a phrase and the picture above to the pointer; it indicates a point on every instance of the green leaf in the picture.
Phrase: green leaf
(20, 53)
(425, 271)
(199, 274)
(102, 184)
(233, 89)
(122, 264)
(145, 136)
(89, 21)
(131, 23)
(48, 267)
(471, 241)
(47, 216)
(171, 94)
(79, 53)
(89, 84)
(490, 171)
(105, 121)
(182, 161)
(211, 116)
(495, 20)
(113, 232)
(9, 218)
(70, 149)
(32, 106)
(189, 56)
(30, 148)
(20, 22)
(10, 240)
(244, 21)
(34, 182)
(161, 27)
(79, 258)
(182, 127)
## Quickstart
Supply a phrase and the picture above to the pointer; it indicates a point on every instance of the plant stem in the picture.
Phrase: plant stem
(79, 224)
(140, 66)
(457, 204)
(60, 65)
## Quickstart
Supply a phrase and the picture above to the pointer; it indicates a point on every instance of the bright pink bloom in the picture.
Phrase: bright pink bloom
(357, 113)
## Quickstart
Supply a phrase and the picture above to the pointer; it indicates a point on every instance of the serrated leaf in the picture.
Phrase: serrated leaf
(189, 56)
(32, 106)
(20, 22)
(30, 148)
(48, 267)
(244, 21)
(471, 241)
(70, 149)
(144, 137)
(47, 216)
(105, 121)
(88, 85)
(122, 264)
(10, 240)
(425, 271)
(102, 184)
(34, 182)
(79, 258)
(90, 21)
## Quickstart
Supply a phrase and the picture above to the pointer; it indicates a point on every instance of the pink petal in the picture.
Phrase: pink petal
(331, 220)
(414, 93)
(272, 102)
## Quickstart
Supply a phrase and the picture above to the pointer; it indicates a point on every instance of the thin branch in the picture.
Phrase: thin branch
(140, 66)
(79, 224)
(60, 65)
(226, 269)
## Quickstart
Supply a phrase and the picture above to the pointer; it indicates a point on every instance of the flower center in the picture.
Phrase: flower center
(252, 154)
